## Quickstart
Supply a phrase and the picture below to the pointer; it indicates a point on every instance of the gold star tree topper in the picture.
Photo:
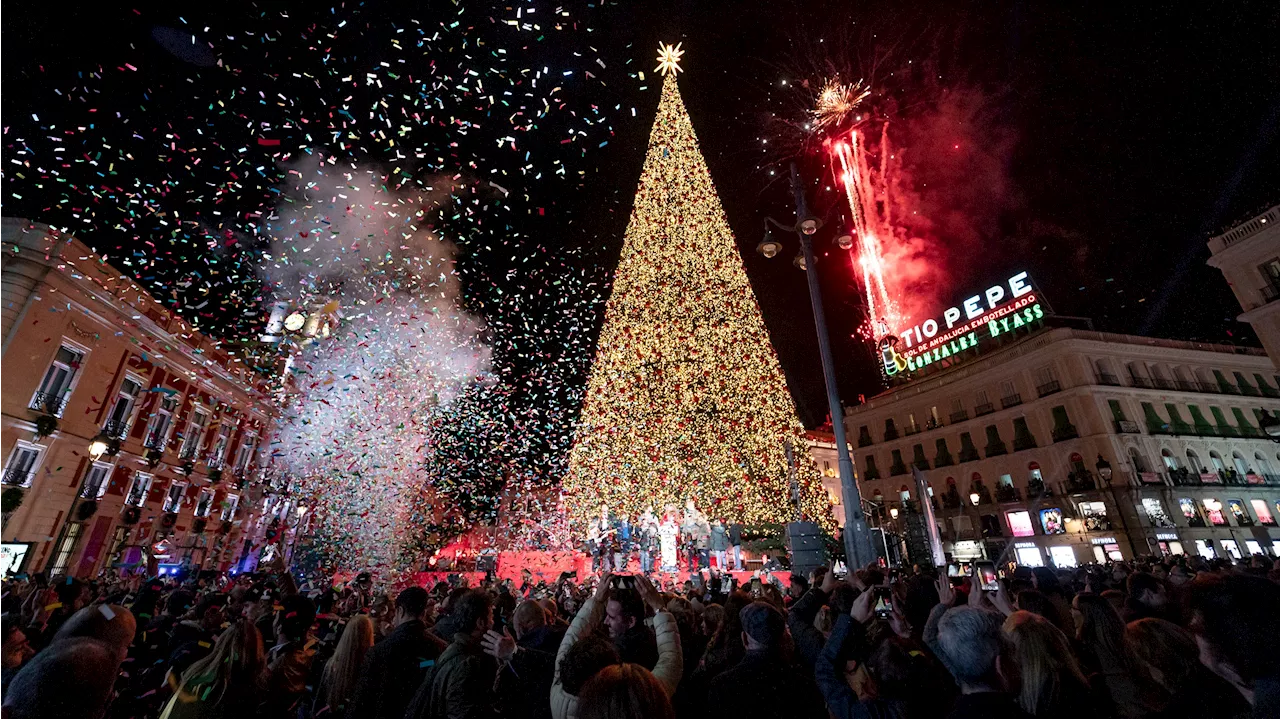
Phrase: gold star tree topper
(669, 58)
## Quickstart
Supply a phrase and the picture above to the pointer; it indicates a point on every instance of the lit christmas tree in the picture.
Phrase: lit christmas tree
(686, 398)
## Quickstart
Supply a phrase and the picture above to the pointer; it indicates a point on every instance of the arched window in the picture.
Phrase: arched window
(1193, 461)
(1170, 461)
(1106, 373)
(1238, 460)
(904, 494)
(1139, 462)
(1216, 460)
(1138, 373)
(1264, 467)
(1077, 462)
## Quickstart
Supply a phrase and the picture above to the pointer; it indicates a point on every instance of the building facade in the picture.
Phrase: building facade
(125, 432)
(1070, 446)
(1249, 257)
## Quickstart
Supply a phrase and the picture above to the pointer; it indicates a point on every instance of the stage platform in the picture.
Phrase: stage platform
(548, 566)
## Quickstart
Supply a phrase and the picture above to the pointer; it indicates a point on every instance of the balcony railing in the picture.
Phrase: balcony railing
(984, 408)
(1108, 379)
(1143, 382)
(1125, 426)
(1049, 388)
(1012, 400)
(17, 476)
(1188, 386)
(115, 429)
(49, 402)
(1162, 383)
(890, 433)
(960, 416)
(1061, 434)
(1271, 292)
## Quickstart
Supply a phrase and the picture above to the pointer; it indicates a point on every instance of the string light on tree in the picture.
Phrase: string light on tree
(686, 398)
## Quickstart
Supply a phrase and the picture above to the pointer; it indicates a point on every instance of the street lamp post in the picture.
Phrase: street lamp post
(975, 499)
(98, 446)
(857, 538)
(1105, 473)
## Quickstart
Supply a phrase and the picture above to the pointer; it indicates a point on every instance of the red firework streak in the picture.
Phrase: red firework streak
(849, 165)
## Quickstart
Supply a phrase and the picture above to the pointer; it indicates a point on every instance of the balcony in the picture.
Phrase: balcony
(1108, 379)
(960, 416)
(1188, 386)
(115, 429)
(890, 433)
(1064, 433)
(1271, 291)
(1162, 383)
(1124, 426)
(1008, 493)
(1142, 382)
(984, 408)
(1012, 400)
(17, 476)
(49, 402)
(1048, 388)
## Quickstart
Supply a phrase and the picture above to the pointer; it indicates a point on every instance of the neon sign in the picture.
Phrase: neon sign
(1001, 309)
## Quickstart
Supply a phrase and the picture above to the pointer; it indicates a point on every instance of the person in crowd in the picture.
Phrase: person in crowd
(765, 682)
(342, 671)
(712, 619)
(110, 624)
(1167, 657)
(16, 650)
(69, 678)
(526, 662)
(1100, 647)
(446, 625)
(290, 658)
(1146, 597)
(1050, 683)
(580, 655)
(193, 636)
(394, 668)
(227, 683)
(624, 618)
(719, 544)
(460, 684)
(1235, 619)
(624, 691)
(968, 641)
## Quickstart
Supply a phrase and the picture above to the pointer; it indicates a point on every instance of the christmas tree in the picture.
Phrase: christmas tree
(686, 399)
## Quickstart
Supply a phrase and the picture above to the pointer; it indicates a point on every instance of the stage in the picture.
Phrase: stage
(549, 566)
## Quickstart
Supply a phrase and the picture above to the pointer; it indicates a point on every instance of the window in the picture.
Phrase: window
(1240, 513)
(1008, 389)
(204, 505)
(1241, 465)
(1193, 461)
(1263, 465)
(1062, 556)
(219, 451)
(1216, 460)
(96, 480)
(229, 506)
(23, 462)
(1190, 512)
(173, 498)
(1213, 508)
(1170, 462)
(1261, 509)
(1139, 463)
(981, 397)
(118, 540)
(1051, 521)
(138, 492)
(122, 411)
(194, 436)
(158, 429)
(1020, 523)
(66, 548)
(56, 385)
(1155, 512)
(1094, 516)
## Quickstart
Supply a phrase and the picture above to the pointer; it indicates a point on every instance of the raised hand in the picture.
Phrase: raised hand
(500, 646)
(946, 592)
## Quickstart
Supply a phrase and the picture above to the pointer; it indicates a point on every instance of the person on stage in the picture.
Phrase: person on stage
(647, 539)
(622, 543)
(735, 545)
(593, 544)
(667, 532)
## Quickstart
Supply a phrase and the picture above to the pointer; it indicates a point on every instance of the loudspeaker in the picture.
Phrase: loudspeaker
(807, 550)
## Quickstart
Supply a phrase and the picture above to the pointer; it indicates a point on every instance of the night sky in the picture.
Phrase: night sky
(1095, 146)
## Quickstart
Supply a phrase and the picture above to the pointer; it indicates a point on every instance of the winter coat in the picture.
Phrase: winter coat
(392, 671)
(668, 670)
(764, 684)
(719, 539)
(459, 686)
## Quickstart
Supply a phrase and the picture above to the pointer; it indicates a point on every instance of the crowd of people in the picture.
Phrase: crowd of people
(675, 541)
(1157, 638)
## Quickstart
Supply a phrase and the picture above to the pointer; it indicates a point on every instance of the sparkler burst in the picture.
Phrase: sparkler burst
(836, 102)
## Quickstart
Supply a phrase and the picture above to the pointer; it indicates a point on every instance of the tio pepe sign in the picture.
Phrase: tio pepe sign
(1000, 309)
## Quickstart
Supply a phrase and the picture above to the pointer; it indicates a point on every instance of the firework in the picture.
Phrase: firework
(836, 102)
